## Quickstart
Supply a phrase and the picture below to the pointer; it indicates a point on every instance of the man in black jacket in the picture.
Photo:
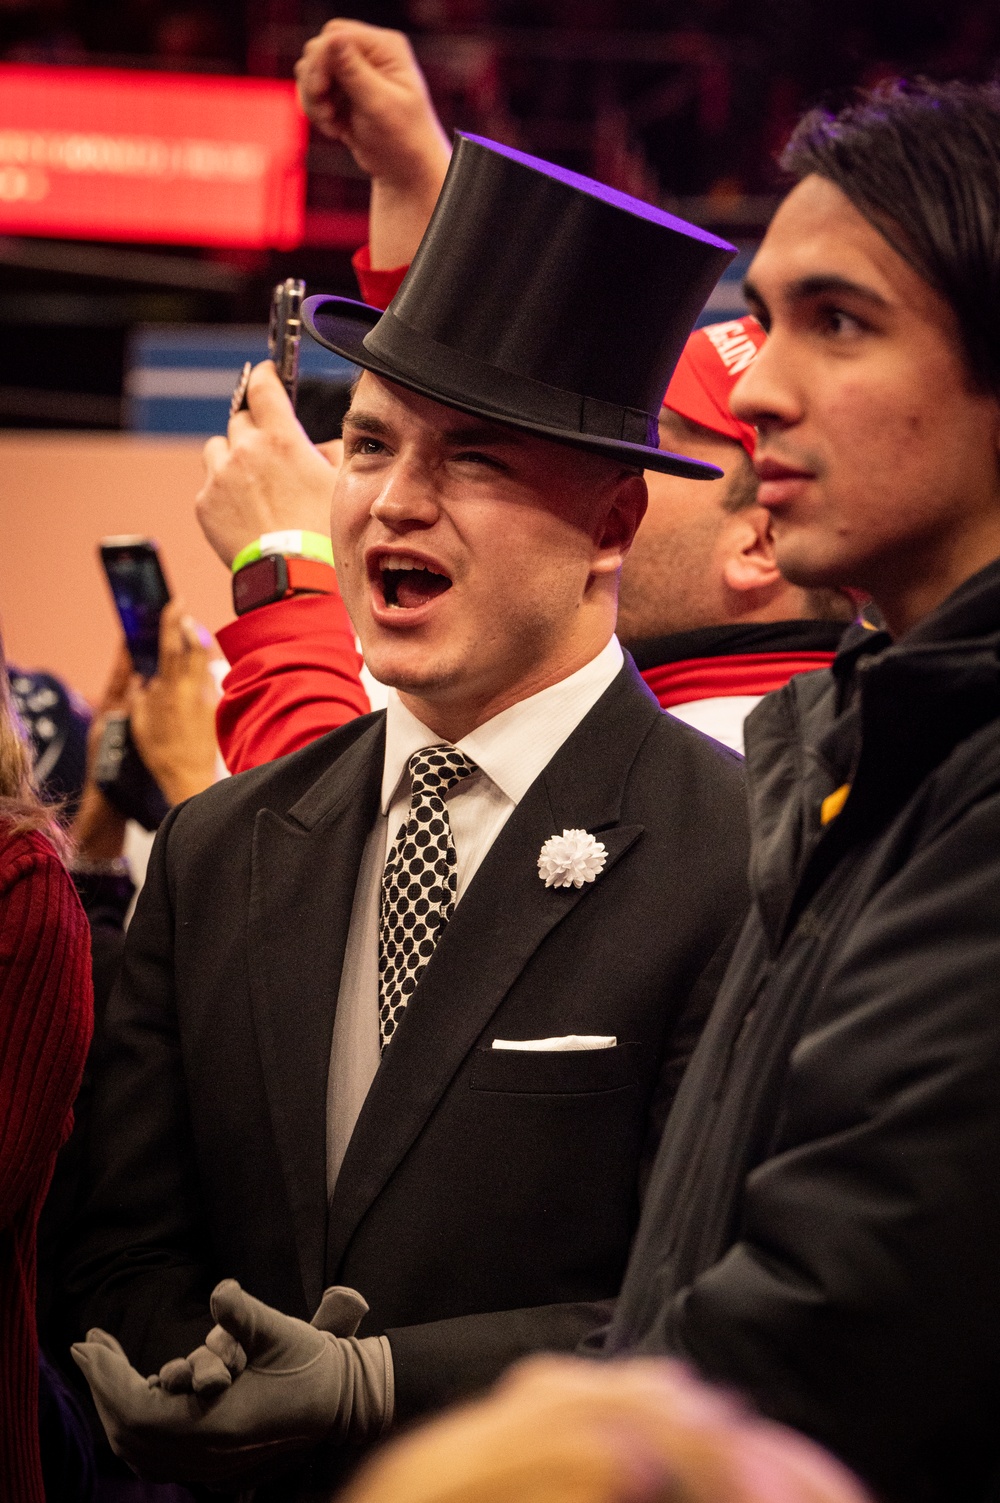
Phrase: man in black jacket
(823, 1226)
(405, 1010)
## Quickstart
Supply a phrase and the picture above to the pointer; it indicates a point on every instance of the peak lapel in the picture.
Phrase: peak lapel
(503, 918)
(304, 870)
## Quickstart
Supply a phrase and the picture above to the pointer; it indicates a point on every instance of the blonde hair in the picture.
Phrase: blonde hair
(20, 806)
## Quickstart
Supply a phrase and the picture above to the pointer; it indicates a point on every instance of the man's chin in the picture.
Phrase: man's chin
(811, 567)
(408, 671)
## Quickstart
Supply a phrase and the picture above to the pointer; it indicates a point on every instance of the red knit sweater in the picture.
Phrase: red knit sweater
(46, 1016)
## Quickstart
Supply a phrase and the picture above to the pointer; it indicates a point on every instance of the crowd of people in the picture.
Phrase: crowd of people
(683, 97)
(575, 1079)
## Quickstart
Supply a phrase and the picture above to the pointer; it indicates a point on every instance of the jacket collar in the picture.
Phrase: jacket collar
(737, 639)
(513, 747)
(887, 715)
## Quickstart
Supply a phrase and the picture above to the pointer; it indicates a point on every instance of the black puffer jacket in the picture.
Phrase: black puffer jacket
(822, 1229)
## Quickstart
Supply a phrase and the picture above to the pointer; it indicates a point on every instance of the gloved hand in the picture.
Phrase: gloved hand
(211, 1367)
(301, 1385)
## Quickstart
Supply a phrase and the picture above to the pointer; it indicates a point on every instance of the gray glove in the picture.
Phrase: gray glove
(211, 1367)
(301, 1385)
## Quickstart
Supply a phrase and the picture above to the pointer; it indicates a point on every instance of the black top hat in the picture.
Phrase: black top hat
(541, 299)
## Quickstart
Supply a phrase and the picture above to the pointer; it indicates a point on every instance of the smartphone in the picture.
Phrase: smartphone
(140, 592)
(284, 335)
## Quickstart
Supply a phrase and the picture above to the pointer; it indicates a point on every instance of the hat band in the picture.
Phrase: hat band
(462, 378)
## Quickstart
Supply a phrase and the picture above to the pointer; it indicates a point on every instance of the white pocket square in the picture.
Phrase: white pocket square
(560, 1045)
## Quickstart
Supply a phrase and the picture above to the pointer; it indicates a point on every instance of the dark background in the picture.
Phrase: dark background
(685, 102)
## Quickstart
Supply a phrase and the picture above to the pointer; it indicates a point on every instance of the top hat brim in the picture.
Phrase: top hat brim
(341, 325)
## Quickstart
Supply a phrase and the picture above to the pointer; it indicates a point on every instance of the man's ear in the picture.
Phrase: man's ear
(749, 562)
(623, 511)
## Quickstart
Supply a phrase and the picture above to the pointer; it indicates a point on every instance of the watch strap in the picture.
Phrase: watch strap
(275, 577)
(290, 541)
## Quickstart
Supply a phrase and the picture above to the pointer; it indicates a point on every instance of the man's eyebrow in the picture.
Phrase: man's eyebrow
(822, 284)
(460, 436)
(367, 422)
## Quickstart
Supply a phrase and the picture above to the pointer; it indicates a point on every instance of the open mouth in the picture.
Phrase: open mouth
(408, 584)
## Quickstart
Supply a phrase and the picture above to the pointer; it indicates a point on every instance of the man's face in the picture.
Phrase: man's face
(878, 458)
(672, 579)
(469, 555)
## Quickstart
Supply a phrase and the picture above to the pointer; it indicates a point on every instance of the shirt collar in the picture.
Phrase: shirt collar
(515, 745)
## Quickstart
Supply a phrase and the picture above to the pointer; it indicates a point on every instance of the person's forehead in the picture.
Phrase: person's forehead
(393, 412)
(410, 411)
(817, 235)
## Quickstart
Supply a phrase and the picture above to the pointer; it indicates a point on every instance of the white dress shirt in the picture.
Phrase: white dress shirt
(510, 751)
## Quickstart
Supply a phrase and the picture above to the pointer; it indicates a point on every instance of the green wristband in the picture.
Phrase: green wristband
(295, 543)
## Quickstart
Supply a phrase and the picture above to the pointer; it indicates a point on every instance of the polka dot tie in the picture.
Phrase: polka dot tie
(418, 884)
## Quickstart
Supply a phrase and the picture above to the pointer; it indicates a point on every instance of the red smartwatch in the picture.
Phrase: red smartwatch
(276, 577)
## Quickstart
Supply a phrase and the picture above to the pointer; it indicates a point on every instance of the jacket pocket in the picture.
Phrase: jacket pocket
(560, 1073)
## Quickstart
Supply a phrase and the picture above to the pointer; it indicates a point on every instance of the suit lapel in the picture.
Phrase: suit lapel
(304, 869)
(503, 918)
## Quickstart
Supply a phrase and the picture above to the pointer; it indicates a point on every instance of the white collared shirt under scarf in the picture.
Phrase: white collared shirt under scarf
(510, 751)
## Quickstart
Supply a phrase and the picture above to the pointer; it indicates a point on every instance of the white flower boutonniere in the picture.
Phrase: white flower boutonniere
(571, 859)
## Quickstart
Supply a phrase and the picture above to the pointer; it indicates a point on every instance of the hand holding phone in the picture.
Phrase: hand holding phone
(124, 779)
(284, 340)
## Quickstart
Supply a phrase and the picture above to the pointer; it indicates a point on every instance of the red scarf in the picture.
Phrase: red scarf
(740, 673)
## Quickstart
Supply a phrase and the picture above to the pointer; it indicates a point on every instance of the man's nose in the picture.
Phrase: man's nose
(767, 395)
(408, 496)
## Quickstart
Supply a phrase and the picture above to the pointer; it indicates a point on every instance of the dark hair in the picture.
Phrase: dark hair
(921, 162)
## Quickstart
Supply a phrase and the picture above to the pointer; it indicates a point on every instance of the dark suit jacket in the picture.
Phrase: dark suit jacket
(488, 1198)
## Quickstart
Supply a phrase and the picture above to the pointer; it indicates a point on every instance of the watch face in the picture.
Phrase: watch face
(259, 583)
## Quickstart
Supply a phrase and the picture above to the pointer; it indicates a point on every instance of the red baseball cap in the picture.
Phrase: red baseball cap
(714, 358)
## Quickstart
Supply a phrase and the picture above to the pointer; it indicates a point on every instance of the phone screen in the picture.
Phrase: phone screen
(140, 593)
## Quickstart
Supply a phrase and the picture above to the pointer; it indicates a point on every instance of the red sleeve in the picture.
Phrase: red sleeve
(46, 1014)
(293, 676)
(378, 288)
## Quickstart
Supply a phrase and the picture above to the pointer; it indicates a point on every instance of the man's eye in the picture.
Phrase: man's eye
(473, 456)
(365, 446)
(760, 313)
(841, 323)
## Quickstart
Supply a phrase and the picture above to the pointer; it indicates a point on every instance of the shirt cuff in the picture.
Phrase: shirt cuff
(378, 288)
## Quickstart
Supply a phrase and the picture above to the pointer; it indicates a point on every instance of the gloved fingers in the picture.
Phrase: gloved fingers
(271, 1340)
(201, 1371)
(178, 1437)
(121, 1394)
(228, 1349)
(176, 1376)
(97, 1337)
(210, 1375)
(341, 1311)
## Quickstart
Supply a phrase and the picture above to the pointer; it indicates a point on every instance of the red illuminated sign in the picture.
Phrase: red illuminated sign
(105, 154)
